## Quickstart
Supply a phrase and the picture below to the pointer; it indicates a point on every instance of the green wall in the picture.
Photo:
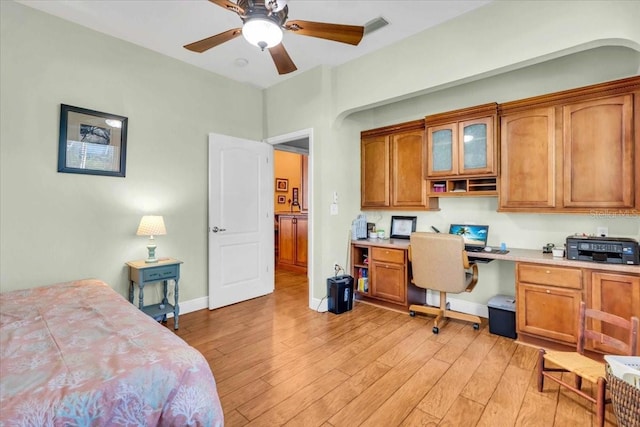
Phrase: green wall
(57, 226)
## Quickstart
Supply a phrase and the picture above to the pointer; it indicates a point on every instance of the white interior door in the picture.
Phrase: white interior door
(241, 234)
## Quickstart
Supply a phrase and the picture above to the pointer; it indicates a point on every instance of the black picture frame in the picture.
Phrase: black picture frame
(92, 142)
(282, 184)
(402, 226)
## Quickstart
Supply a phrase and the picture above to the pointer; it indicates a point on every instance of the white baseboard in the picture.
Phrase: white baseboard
(319, 305)
(192, 305)
(433, 298)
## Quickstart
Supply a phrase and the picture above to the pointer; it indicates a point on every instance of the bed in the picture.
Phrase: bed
(79, 354)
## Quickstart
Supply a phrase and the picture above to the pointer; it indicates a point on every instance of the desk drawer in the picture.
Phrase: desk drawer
(160, 273)
(388, 255)
(554, 276)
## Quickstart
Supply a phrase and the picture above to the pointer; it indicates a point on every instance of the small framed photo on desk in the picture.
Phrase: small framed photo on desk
(402, 226)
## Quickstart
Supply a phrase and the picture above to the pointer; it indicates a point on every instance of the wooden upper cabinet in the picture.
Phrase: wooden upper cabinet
(392, 168)
(408, 153)
(462, 142)
(572, 151)
(528, 160)
(374, 172)
(598, 153)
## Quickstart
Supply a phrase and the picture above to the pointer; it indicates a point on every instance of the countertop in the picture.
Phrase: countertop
(534, 256)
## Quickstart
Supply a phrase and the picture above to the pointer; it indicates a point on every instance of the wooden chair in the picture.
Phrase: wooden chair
(439, 262)
(582, 366)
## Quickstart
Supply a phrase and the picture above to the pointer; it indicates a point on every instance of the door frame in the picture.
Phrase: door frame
(304, 133)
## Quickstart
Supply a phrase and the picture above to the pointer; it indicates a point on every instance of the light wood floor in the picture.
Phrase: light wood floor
(277, 362)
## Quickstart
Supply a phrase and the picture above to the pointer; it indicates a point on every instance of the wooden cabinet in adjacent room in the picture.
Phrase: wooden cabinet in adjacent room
(615, 293)
(392, 168)
(292, 242)
(548, 301)
(572, 151)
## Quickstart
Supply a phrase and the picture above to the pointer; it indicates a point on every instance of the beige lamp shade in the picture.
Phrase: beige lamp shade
(151, 225)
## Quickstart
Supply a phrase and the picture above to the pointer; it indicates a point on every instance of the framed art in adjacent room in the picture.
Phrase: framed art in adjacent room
(92, 142)
(402, 226)
(282, 200)
(282, 184)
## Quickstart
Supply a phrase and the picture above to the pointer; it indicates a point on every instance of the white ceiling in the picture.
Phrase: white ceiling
(166, 25)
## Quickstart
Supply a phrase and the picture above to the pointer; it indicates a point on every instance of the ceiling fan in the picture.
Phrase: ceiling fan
(263, 23)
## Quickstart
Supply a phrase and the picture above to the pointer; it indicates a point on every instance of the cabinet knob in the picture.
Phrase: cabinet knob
(548, 291)
(548, 272)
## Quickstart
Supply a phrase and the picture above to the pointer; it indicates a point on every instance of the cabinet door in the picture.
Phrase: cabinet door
(374, 170)
(618, 294)
(476, 147)
(301, 241)
(304, 184)
(598, 153)
(408, 152)
(527, 159)
(442, 148)
(548, 312)
(286, 240)
(388, 282)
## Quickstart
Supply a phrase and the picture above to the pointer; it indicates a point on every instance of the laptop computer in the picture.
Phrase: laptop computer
(475, 236)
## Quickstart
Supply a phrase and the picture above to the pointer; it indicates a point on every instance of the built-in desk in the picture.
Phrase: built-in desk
(548, 289)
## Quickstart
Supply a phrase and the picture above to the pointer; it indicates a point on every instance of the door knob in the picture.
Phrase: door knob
(216, 229)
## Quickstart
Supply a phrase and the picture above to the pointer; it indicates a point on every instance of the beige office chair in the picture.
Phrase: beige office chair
(439, 262)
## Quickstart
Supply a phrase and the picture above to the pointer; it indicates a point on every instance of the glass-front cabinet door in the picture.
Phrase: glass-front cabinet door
(442, 146)
(475, 147)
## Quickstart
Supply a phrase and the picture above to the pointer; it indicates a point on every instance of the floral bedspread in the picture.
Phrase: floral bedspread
(79, 354)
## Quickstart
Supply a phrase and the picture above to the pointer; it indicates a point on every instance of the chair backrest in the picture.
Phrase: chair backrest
(438, 261)
(588, 320)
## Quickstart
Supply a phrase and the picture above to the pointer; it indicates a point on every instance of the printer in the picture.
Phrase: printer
(609, 250)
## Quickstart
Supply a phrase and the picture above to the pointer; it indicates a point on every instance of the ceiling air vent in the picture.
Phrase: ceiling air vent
(375, 25)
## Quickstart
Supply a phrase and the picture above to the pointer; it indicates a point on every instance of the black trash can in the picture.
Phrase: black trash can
(340, 294)
(502, 316)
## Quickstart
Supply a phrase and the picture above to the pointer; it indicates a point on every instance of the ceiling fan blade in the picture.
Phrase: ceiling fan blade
(213, 41)
(229, 6)
(281, 58)
(350, 34)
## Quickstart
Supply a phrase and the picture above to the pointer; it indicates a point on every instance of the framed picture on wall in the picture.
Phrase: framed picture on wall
(402, 226)
(282, 200)
(282, 184)
(92, 142)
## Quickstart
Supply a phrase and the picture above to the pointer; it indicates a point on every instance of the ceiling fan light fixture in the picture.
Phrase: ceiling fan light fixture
(262, 32)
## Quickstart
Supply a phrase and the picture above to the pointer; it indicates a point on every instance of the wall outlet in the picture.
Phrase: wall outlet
(602, 231)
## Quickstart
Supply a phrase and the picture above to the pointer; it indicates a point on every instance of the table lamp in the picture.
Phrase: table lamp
(151, 225)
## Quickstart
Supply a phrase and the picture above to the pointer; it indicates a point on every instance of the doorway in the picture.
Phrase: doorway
(299, 143)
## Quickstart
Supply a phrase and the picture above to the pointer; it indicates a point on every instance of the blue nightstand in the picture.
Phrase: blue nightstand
(143, 273)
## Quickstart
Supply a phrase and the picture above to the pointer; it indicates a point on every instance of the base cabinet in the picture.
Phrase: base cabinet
(382, 277)
(292, 242)
(614, 293)
(548, 301)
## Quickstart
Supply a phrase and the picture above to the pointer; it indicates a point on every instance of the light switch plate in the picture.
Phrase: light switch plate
(333, 210)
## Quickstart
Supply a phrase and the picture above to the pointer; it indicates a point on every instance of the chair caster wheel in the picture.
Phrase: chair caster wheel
(412, 313)
(435, 330)
(476, 326)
